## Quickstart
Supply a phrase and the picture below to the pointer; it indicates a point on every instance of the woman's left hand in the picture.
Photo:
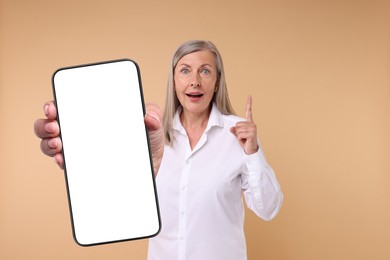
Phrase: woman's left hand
(246, 131)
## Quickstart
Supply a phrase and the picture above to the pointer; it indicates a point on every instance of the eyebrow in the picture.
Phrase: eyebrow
(203, 65)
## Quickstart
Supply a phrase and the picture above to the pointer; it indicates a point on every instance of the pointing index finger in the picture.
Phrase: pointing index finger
(248, 109)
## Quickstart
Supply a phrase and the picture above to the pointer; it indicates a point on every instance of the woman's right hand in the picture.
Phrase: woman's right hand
(49, 131)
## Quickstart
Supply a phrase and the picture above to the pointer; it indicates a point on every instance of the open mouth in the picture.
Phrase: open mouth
(194, 95)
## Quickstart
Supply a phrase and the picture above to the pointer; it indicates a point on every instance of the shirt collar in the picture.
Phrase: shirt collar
(215, 119)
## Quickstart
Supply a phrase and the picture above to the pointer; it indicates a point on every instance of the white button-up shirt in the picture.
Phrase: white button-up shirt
(200, 194)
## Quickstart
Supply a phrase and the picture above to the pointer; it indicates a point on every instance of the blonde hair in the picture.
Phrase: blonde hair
(220, 98)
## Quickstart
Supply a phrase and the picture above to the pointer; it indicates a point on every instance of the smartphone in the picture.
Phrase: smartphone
(108, 164)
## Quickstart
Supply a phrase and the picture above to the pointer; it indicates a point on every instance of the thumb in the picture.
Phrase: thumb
(153, 117)
(152, 121)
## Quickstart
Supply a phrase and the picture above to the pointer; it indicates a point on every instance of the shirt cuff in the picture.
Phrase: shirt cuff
(255, 161)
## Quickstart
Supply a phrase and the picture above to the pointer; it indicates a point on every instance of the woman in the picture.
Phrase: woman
(210, 158)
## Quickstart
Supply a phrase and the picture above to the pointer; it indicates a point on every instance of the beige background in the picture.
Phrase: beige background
(319, 75)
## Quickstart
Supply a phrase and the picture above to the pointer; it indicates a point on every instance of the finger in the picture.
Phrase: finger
(45, 128)
(247, 126)
(244, 134)
(248, 109)
(59, 159)
(152, 121)
(51, 146)
(153, 117)
(50, 110)
(246, 130)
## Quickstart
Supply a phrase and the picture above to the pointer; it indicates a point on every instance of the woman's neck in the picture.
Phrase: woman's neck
(194, 124)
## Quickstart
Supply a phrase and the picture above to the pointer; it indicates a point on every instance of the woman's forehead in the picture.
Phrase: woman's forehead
(202, 57)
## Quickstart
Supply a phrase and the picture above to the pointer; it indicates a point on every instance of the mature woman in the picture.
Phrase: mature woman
(210, 158)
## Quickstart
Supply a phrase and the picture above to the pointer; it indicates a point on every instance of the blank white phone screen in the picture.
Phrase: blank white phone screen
(108, 168)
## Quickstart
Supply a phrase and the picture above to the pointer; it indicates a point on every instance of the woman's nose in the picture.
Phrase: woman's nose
(195, 81)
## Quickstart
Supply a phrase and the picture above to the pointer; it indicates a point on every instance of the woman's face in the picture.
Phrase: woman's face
(195, 78)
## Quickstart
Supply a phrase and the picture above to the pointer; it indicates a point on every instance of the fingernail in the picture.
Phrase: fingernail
(50, 127)
(52, 143)
(46, 109)
(154, 116)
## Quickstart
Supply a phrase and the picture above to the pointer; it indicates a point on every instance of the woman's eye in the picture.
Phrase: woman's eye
(205, 71)
(185, 71)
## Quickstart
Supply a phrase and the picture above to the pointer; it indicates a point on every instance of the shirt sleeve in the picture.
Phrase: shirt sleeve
(260, 187)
